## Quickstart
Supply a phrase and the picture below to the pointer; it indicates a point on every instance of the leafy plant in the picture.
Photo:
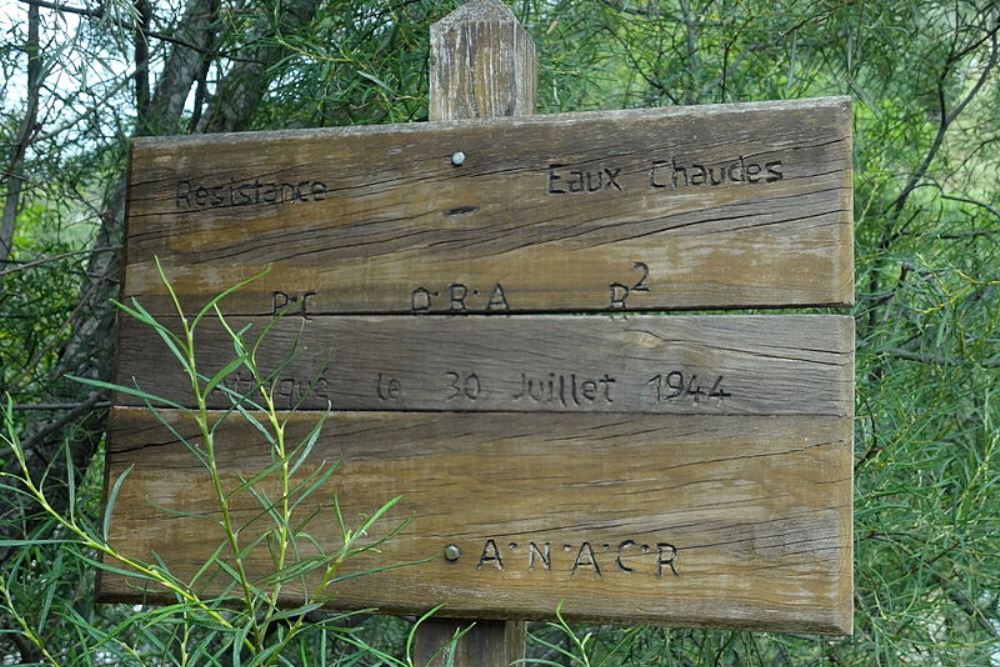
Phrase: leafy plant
(565, 643)
(247, 621)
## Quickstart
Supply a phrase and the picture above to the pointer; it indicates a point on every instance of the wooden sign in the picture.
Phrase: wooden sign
(719, 365)
(700, 207)
(690, 470)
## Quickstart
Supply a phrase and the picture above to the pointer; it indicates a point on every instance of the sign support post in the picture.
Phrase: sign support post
(482, 65)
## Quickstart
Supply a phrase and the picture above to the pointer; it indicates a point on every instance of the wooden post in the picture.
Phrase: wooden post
(482, 65)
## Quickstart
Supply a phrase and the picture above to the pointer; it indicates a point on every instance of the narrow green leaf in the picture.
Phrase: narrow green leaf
(297, 611)
(112, 499)
(70, 484)
(310, 442)
(222, 375)
(138, 393)
(211, 305)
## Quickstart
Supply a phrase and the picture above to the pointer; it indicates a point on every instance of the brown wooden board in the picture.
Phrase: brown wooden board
(735, 521)
(709, 365)
(703, 207)
(682, 470)
(751, 486)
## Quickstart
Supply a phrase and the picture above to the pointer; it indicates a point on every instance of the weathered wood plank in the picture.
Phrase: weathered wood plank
(746, 521)
(702, 207)
(740, 365)
(482, 65)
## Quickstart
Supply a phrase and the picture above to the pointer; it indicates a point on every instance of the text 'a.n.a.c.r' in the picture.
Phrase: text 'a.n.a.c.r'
(596, 558)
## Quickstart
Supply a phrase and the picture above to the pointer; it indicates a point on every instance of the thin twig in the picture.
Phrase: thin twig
(967, 200)
(61, 406)
(55, 258)
(100, 14)
(947, 117)
(932, 360)
(86, 406)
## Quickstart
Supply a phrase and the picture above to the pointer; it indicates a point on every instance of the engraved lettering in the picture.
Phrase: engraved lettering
(773, 173)
(698, 174)
(491, 554)
(468, 386)
(619, 296)
(498, 300)
(388, 388)
(678, 172)
(244, 192)
(283, 303)
(577, 181)
(183, 193)
(732, 168)
(270, 193)
(595, 184)
(458, 292)
(641, 285)
(666, 554)
(201, 196)
(305, 305)
(192, 195)
(585, 558)
(676, 384)
(621, 552)
(420, 300)
(653, 182)
(566, 390)
(319, 389)
(460, 298)
(279, 300)
(290, 390)
(456, 390)
(739, 170)
(553, 177)
(544, 555)
(607, 381)
(612, 178)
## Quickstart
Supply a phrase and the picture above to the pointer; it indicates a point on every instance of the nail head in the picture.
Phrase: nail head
(458, 158)
(452, 552)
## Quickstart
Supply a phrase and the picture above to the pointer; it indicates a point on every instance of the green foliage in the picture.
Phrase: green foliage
(247, 621)
(924, 81)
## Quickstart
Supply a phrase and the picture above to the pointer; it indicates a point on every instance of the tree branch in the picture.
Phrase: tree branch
(12, 200)
(947, 118)
(30, 407)
(125, 25)
(992, 209)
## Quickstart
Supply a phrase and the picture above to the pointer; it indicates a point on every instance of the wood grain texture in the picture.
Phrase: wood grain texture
(574, 212)
(648, 503)
(714, 364)
(757, 509)
(482, 65)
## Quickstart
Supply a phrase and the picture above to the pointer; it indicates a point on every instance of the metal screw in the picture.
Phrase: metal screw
(458, 158)
(452, 552)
